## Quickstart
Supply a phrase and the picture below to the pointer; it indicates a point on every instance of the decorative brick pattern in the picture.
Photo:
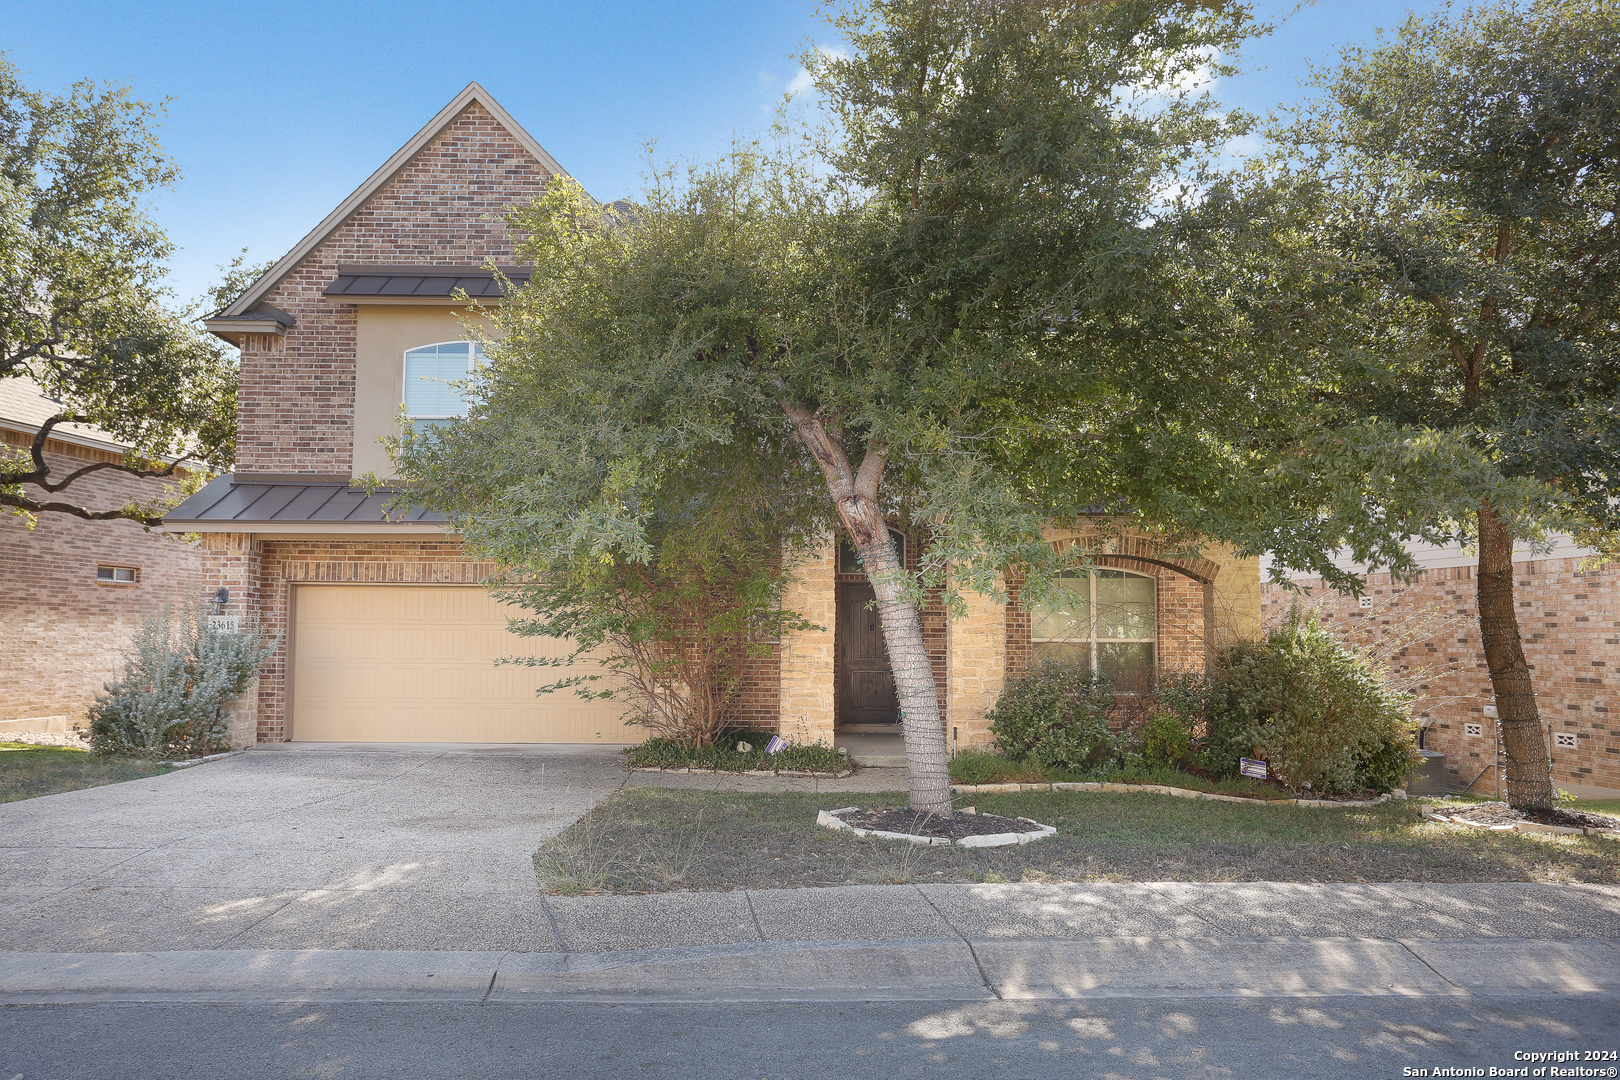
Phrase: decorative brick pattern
(1570, 621)
(66, 634)
(296, 411)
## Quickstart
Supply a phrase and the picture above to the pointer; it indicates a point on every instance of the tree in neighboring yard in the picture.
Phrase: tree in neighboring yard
(915, 321)
(83, 312)
(1457, 189)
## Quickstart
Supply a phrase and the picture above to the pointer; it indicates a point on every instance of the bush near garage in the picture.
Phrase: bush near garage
(179, 679)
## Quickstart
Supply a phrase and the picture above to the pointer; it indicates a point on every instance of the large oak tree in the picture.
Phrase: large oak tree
(84, 313)
(1444, 214)
(959, 312)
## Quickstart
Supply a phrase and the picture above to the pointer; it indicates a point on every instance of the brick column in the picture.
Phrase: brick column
(234, 560)
(976, 669)
(808, 690)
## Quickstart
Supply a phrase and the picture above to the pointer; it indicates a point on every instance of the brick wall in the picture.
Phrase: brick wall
(296, 411)
(1570, 622)
(65, 633)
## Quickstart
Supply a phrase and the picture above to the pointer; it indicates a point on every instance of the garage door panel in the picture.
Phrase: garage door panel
(407, 663)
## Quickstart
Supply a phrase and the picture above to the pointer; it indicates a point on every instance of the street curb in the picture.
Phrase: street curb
(921, 969)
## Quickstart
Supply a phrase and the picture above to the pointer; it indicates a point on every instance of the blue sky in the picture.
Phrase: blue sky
(279, 110)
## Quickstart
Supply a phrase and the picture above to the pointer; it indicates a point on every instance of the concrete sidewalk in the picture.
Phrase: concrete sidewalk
(953, 969)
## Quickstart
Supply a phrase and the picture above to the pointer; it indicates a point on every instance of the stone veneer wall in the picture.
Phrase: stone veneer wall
(1570, 622)
(807, 688)
(65, 632)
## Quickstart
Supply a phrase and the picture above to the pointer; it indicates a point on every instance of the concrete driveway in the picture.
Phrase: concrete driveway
(304, 847)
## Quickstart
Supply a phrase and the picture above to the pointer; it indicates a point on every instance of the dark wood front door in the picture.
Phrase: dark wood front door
(865, 683)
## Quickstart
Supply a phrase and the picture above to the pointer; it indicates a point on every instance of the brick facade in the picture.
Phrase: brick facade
(1570, 622)
(296, 411)
(66, 634)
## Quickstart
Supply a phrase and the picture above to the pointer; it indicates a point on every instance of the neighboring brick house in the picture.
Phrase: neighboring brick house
(386, 635)
(72, 591)
(1570, 621)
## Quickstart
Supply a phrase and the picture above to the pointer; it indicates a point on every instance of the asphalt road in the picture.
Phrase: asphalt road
(1174, 1038)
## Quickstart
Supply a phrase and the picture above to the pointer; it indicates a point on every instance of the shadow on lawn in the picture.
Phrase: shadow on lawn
(667, 839)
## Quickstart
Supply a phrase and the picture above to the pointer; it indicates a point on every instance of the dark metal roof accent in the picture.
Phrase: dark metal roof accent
(248, 504)
(263, 319)
(427, 282)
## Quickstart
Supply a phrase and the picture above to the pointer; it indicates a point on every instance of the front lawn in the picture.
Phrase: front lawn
(650, 839)
(29, 771)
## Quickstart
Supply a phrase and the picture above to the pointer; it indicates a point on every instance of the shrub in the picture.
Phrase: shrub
(724, 752)
(1317, 713)
(1176, 711)
(1055, 714)
(179, 677)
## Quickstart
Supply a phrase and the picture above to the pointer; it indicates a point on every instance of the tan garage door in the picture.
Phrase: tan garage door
(412, 663)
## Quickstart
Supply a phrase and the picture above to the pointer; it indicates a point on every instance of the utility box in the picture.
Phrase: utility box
(1429, 778)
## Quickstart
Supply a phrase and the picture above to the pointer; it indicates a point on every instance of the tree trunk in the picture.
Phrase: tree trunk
(1529, 776)
(855, 496)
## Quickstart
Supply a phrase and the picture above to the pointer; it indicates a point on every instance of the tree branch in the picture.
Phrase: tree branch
(32, 506)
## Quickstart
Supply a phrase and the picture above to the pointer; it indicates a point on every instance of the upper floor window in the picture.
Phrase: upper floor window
(430, 372)
(1104, 620)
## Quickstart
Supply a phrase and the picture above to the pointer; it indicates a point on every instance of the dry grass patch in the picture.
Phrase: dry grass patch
(654, 839)
(27, 771)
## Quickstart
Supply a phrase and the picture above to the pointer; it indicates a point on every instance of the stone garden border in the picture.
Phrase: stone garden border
(1430, 814)
(829, 819)
(743, 772)
(1162, 789)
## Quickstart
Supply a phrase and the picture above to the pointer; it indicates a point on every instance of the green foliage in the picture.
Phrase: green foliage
(178, 680)
(984, 767)
(1055, 715)
(1313, 710)
(83, 312)
(979, 767)
(1434, 244)
(723, 753)
(1177, 716)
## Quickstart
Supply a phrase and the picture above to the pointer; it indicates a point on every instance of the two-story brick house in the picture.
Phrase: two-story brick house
(386, 635)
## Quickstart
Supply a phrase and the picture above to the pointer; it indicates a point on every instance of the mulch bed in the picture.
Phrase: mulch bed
(954, 827)
(1500, 813)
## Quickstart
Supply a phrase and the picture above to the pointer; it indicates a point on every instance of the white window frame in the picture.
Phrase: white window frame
(132, 575)
(1091, 610)
(475, 356)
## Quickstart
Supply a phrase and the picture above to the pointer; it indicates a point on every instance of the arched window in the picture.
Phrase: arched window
(849, 560)
(429, 372)
(1104, 620)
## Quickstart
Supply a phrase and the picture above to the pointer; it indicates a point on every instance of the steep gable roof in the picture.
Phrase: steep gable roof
(473, 93)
